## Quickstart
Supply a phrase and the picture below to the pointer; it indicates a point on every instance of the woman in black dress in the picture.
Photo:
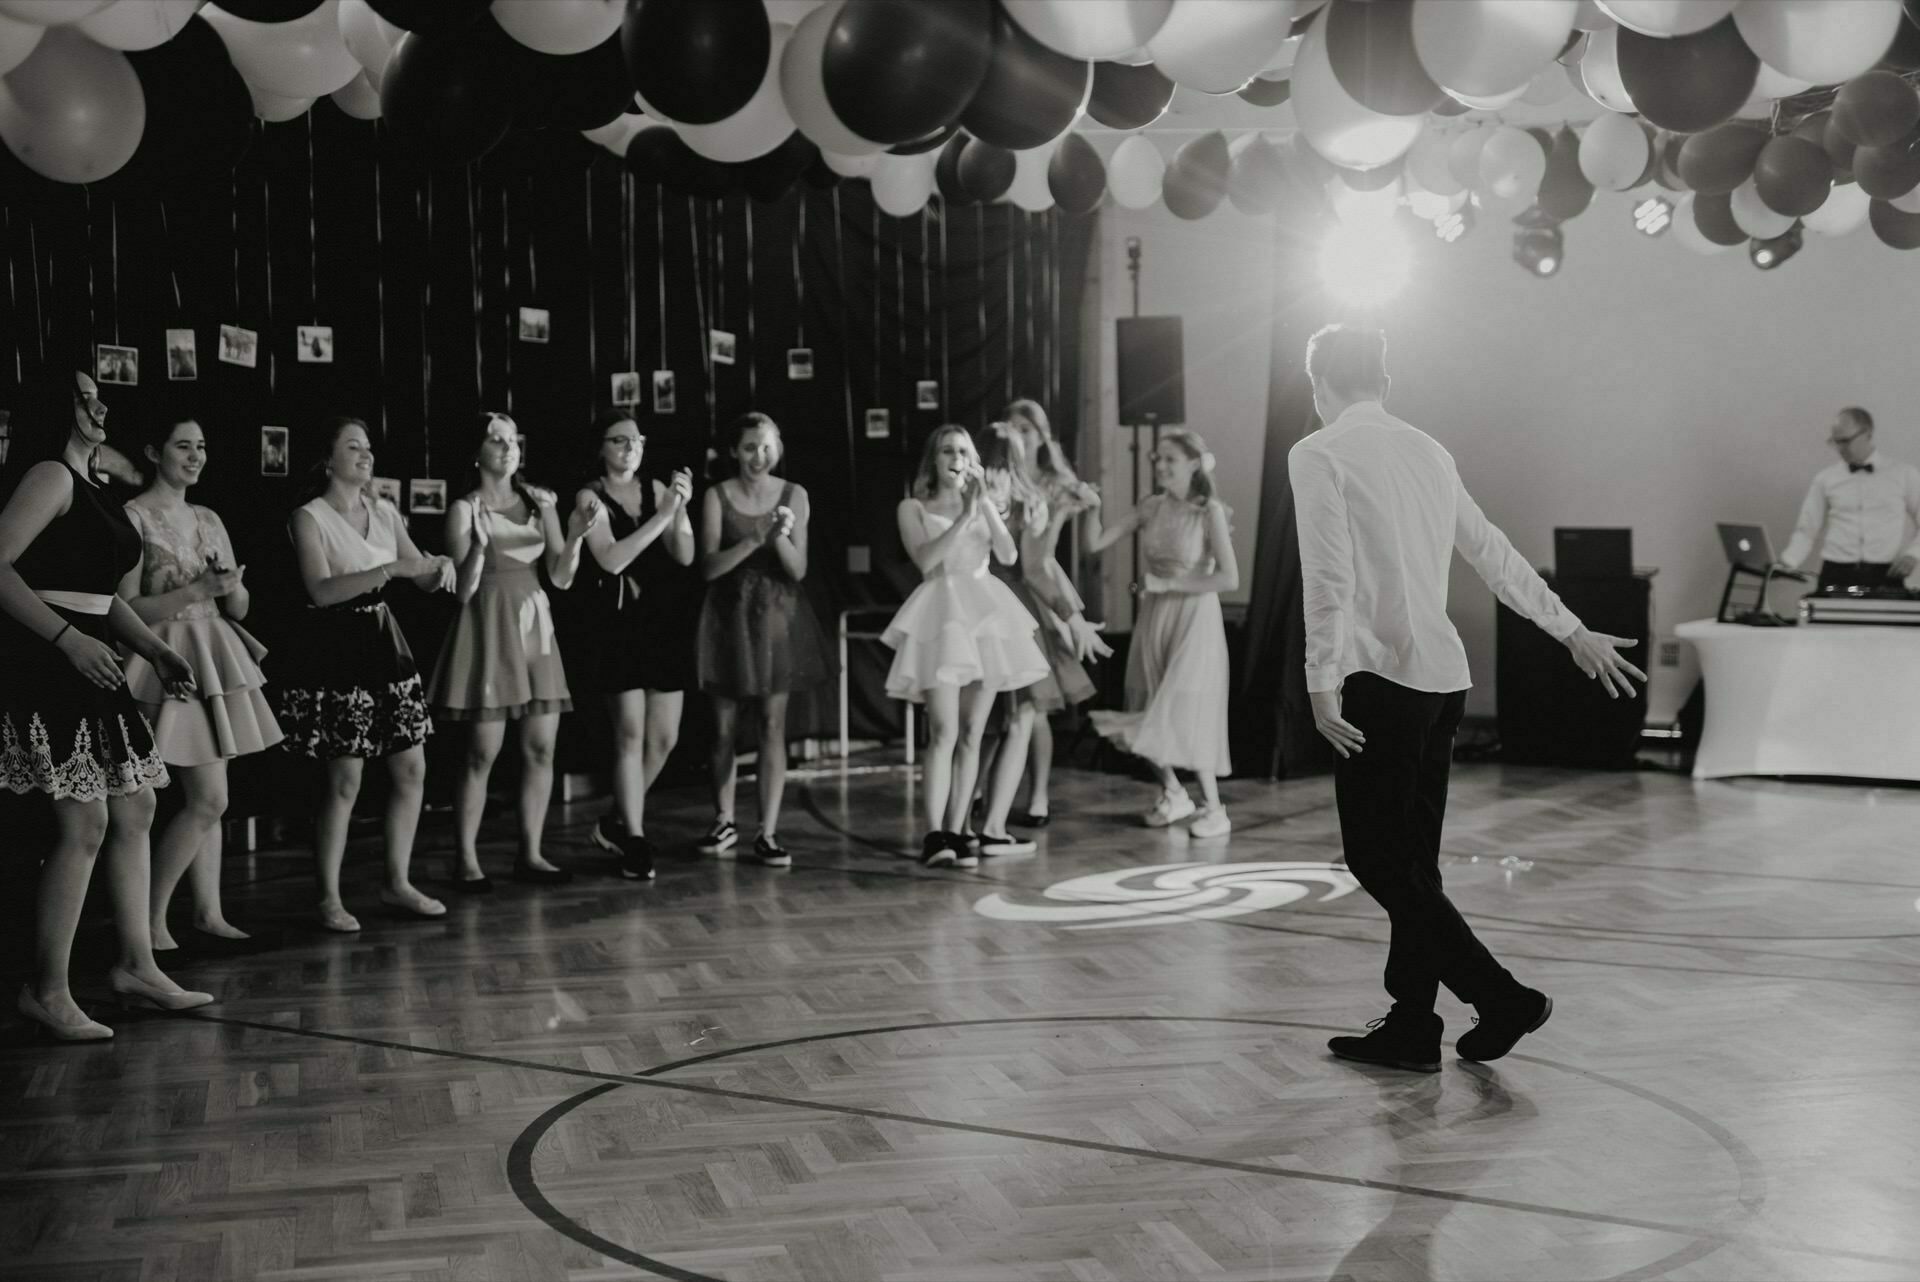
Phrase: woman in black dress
(69, 728)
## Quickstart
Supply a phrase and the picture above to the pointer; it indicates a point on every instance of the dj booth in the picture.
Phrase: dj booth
(1820, 699)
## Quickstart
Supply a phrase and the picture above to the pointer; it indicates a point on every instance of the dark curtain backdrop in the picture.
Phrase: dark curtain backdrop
(421, 275)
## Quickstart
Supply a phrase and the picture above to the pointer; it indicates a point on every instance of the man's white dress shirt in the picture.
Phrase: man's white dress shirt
(1381, 508)
(1867, 516)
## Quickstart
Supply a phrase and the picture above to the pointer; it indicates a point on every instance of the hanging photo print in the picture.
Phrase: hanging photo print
(800, 364)
(626, 388)
(663, 402)
(426, 496)
(877, 424)
(315, 344)
(720, 343)
(387, 488)
(239, 346)
(926, 394)
(183, 356)
(113, 364)
(273, 451)
(535, 325)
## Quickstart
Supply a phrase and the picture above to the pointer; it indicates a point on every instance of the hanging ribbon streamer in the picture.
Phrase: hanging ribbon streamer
(266, 238)
(39, 316)
(510, 313)
(946, 317)
(13, 300)
(166, 245)
(423, 217)
(93, 314)
(234, 227)
(846, 366)
(753, 371)
(926, 303)
(700, 304)
(1011, 324)
(113, 221)
(632, 346)
(380, 270)
(660, 266)
(980, 298)
(313, 233)
(1028, 283)
(900, 317)
(800, 281)
(477, 289)
(878, 395)
(593, 283)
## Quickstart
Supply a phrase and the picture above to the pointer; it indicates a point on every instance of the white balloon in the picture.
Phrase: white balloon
(359, 98)
(369, 37)
(1097, 29)
(132, 25)
(1667, 17)
(1548, 86)
(1486, 47)
(559, 26)
(616, 134)
(903, 184)
(1463, 156)
(1907, 204)
(1137, 172)
(1751, 215)
(17, 41)
(1614, 152)
(1030, 190)
(852, 166)
(1486, 102)
(51, 13)
(1688, 233)
(1427, 163)
(1336, 126)
(274, 108)
(1216, 46)
(790, 12)
(1592, 17)
(804, 91)
(1512, 164)
(1819, 41)
(300, 59)
(1600, 71)
(756, 128)
(1844, 211)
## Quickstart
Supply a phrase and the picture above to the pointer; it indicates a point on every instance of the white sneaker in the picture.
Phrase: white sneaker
(1170, 809)
(1213, 822)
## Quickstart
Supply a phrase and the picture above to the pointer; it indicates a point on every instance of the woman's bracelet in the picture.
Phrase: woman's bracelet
(55, 638)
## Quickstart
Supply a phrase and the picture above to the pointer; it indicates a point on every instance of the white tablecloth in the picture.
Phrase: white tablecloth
(1819, 699)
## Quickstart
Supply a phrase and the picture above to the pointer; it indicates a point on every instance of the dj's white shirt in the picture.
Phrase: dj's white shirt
(1380, 509)
(1866, 516)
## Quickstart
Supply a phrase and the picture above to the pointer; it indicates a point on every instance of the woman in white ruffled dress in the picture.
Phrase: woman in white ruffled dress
(962, 637)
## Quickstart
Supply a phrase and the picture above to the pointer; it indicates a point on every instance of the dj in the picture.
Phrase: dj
(1865, 509)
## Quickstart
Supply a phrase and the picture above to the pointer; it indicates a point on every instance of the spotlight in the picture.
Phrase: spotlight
(1653, 216)
(1539, 249)
(1769, 254)
(1453, 226)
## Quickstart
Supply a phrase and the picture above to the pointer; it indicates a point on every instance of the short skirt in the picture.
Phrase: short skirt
(350, 686)
(229, 715)
(62, 735)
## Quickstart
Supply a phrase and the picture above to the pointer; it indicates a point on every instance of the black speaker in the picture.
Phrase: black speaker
(1550, 713)
(1152, 362)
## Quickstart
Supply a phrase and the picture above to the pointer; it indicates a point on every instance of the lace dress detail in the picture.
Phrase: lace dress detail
(962, 624)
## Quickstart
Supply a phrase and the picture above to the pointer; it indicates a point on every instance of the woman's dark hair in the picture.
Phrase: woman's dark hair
(329, 436)
(41, 423)
(746, 423)
(157, 429)
(517, 481)
(601, 422)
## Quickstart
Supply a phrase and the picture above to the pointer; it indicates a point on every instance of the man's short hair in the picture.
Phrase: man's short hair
(1348, 358)
(1862, 421)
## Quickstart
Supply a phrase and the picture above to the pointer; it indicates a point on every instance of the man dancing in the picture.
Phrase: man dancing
(1380, 509)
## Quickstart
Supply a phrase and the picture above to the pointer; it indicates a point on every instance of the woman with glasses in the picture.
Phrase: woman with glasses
(643, 598)
(500, 661)
(69, 728)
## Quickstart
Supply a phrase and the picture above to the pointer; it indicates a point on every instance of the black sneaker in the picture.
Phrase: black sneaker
(937, 850)
(720, 837)
(1500, 1026)
(636, 858)
(608, 834)
(1411, 1042)
(770, 852)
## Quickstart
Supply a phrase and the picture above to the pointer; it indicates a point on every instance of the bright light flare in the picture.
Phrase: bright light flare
(1365, 265)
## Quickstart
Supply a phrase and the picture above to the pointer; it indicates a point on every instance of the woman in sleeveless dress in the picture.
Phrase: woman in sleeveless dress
(962, 637)
(1177, 670)
(759, 639)
(500, 661)
(190, 589)
(350, 691)
(642, 593)
(69, 729)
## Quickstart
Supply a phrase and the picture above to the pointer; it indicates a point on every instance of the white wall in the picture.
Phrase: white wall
(1644, 385)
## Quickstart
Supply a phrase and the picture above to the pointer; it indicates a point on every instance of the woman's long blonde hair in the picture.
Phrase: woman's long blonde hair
(926, 482)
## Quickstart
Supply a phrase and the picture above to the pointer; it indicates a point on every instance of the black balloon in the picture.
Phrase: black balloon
(270, 10)
(442, 92)
(1876, 109)
(572, 91)
(1370, 47)
(1664, 167)
(1894, 227)
(1128, 97)
(1688, 83)
(660, 156)
(986, 170)
(1793, 176)
(767, 178)
(199, 115)
(1839, 149)
(1564, 190)
(429, 15)
(1196, 181)
(1713, 215)
(821, 176)
(896, 70)
(946, 172)
(920, 146)
(695, 61)
(1076, 176)
(1717, 161)
(1031, 94)
(1904, 53)
(1888, 173)
(1266, 93)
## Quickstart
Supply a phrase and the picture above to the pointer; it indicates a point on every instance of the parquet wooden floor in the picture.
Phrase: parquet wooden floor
(859, 1069)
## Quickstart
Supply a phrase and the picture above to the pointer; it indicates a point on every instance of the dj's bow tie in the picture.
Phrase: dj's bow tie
(1859, 467)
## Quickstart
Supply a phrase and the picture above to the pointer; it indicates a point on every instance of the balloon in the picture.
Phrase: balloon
(1904, 53)
(1097, 29)
(1370, 47)
(1775, 84)
(862, 166)
(1907, 204)
(616, 135)
(1592, 17)
(1843, 212)
(1819, 128)
(1713, 216)
(1030, 190)
(1262, 92)
(137, 24)
(1136, 173)
(805, 92)
(559, 26)
(1128, 97)
(1427, 165)
(1751, 215)
(301, 59)
(1793, 176)
(1363, 207)
(658, 155)
(50, 13)
(1511, 165)
(897, 70)
(1196, 182)
(694, 62)
(1615, 152)
(1463, 156)
(72, 111)
(1486, 47)
(200, 116)
(986, 170)
(1259, 177)
(272, 10)
(571, 91)
(1667, 17)
(1339, 128)
(1888, 172)
(1687, 228)
(1031, 94)
(358, 98)
(1547, 87)
(902, 184)
(1564, 191)
(1717, 161)
(442, 92)
(946, 173)
(1876, 109)
(1687, 83)
(929, 142)
(17, 40)
(1370, 179)
(1600, 71)
(276, 108)
(1819, 41)
(1894, 227)
(429, 15)
(369, 37)
(1076, 176)
(757, 128)
(1215, 46)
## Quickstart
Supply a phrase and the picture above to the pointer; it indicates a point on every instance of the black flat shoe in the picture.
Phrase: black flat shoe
(205, 944)
(542, 876)
(481, 885)
(1031, 821)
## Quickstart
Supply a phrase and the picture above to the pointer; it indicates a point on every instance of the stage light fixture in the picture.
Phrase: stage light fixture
(1652, 216)
(1453, 226)
(1539, 249)
(1364, 264)
(1769, 254)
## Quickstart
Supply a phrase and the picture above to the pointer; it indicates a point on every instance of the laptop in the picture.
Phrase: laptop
(1747, 546)
(1593, 553)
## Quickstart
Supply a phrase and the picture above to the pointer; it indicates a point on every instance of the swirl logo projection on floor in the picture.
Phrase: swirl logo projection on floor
(1168, 893)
